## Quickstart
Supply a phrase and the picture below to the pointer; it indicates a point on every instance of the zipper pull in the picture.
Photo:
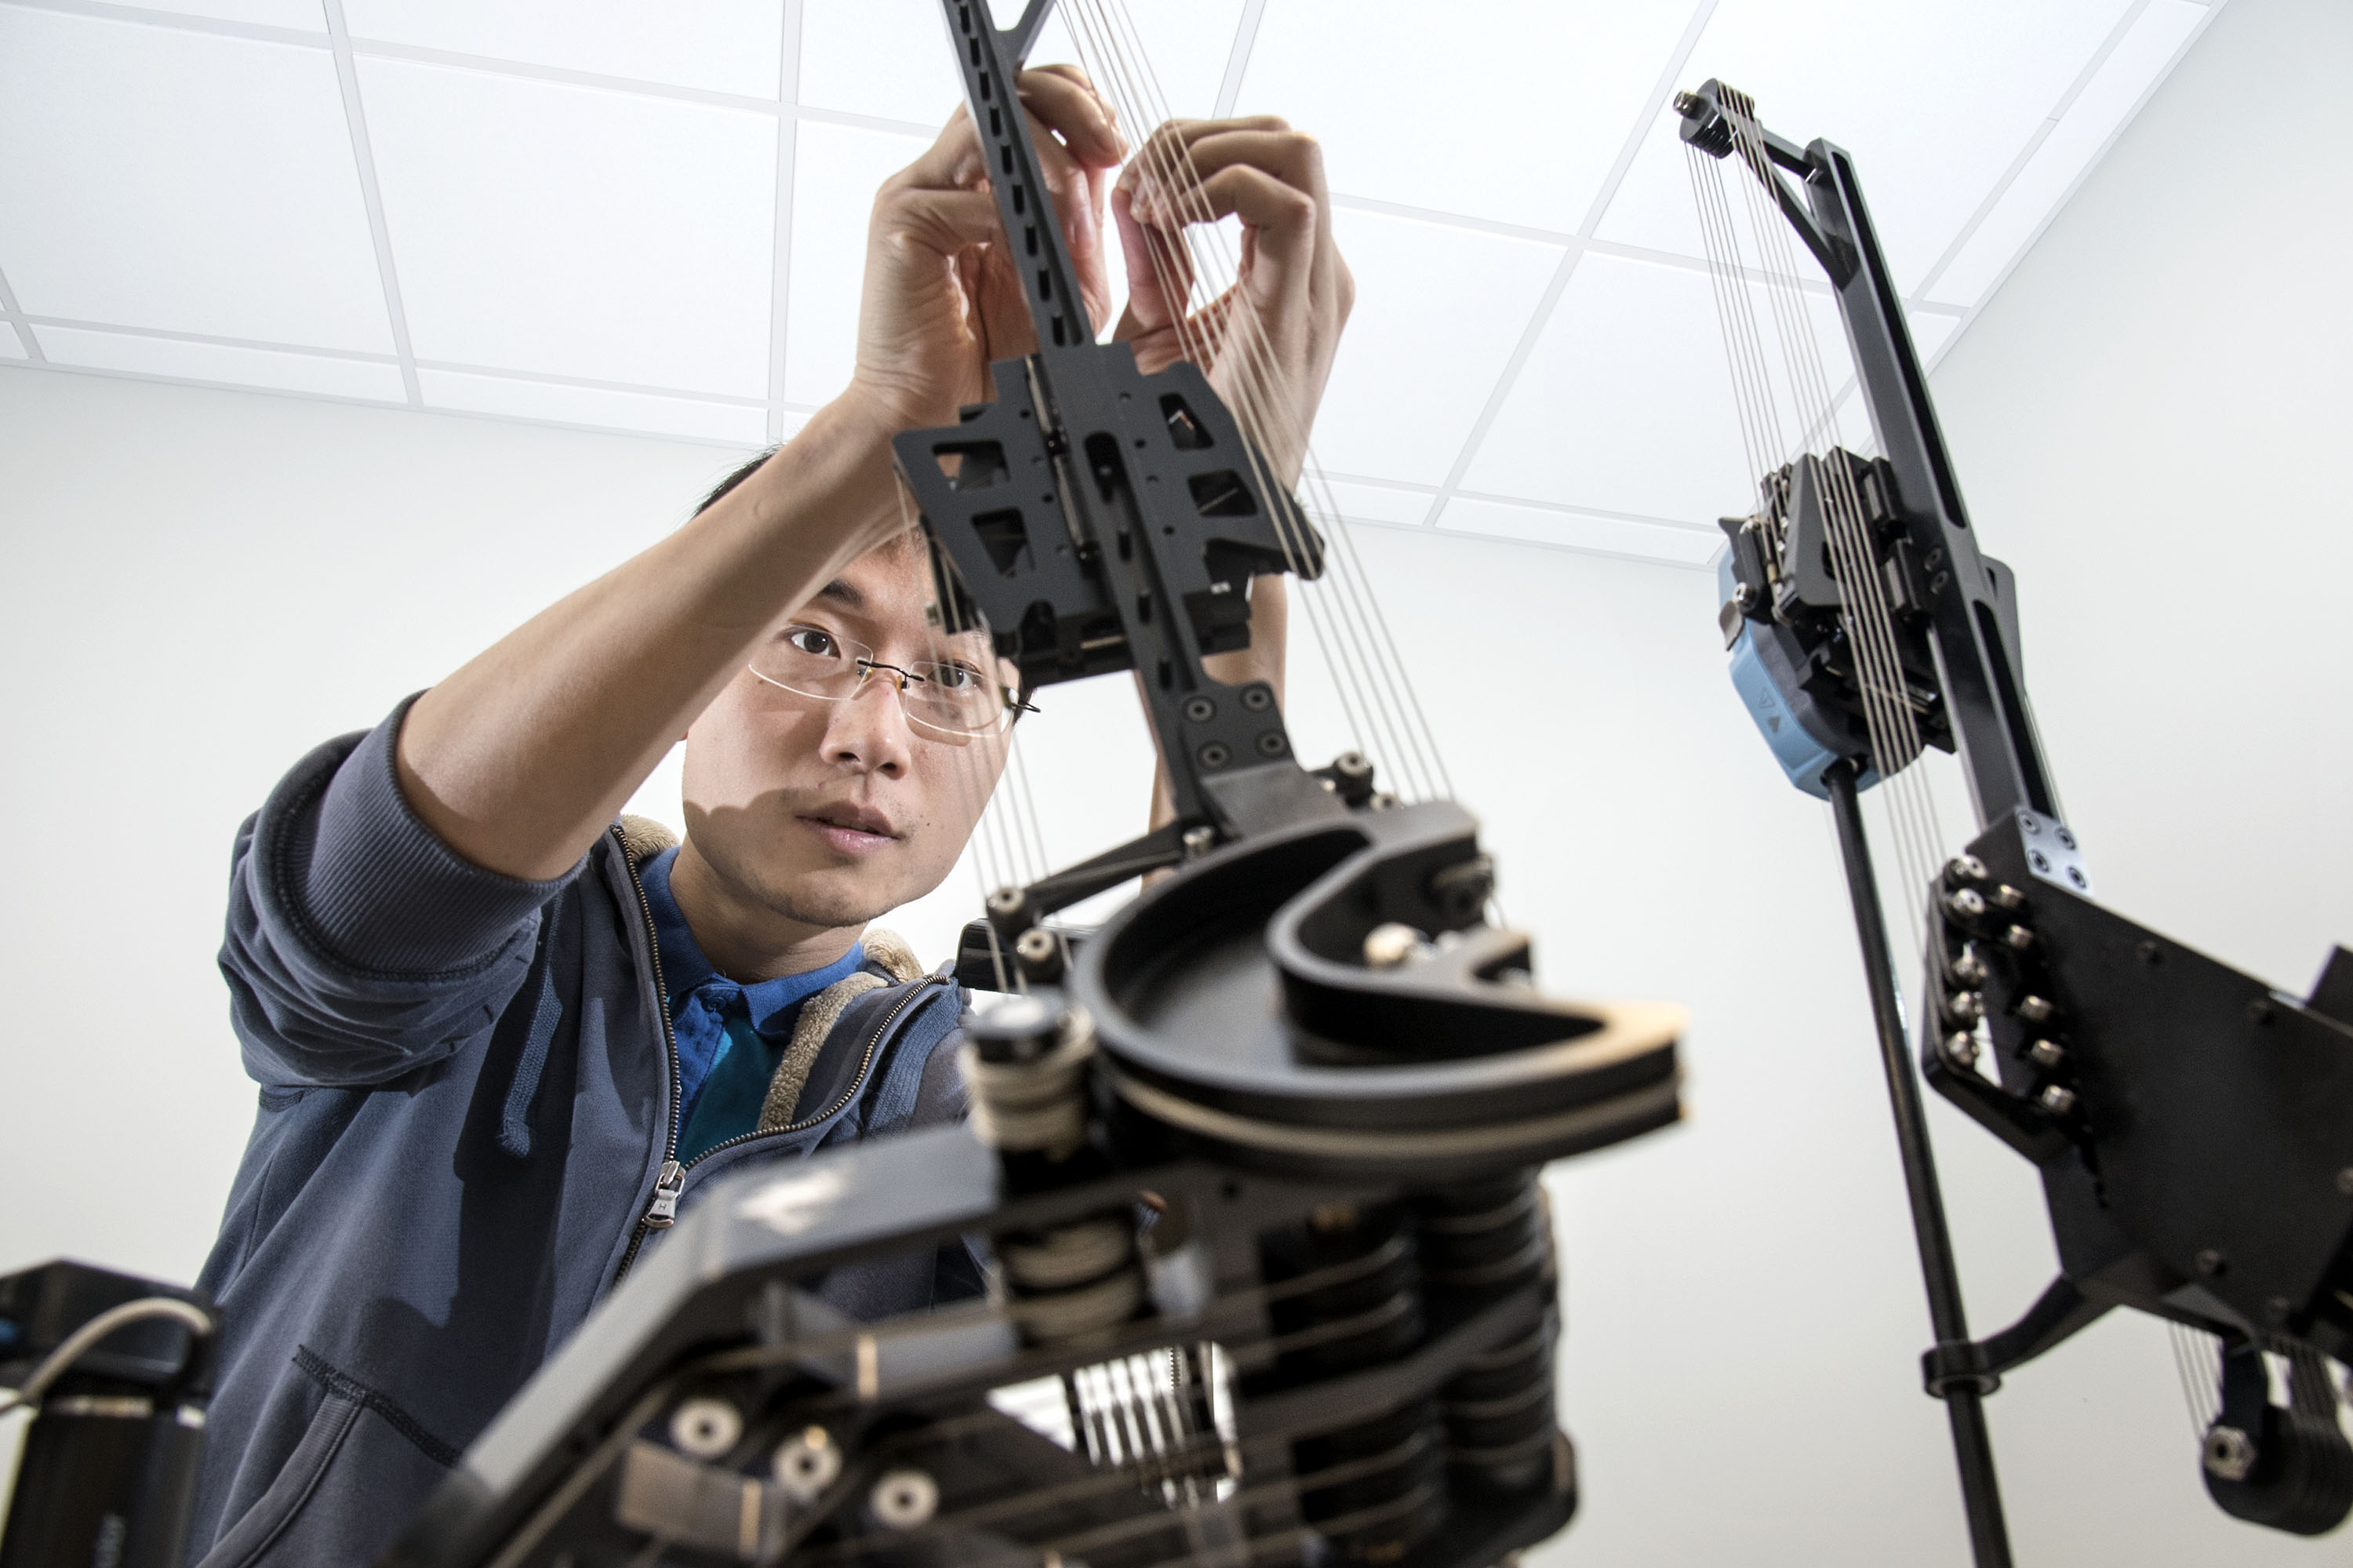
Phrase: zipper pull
(668, 1185)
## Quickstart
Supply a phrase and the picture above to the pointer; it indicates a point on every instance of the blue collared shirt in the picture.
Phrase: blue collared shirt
(730, 1037)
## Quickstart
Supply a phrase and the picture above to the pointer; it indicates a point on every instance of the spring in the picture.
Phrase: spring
(1025, 1060)
(1481, 1242)
(1345, 1292)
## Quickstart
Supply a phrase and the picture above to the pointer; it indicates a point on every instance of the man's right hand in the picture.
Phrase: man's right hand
(942, 297)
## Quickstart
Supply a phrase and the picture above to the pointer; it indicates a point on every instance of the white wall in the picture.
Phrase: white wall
(200, 585)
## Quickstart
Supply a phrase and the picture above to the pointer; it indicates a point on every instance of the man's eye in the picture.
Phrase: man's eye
(810, 639)
(955, 677)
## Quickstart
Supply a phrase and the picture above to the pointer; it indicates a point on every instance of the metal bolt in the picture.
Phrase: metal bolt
(2007, 897)
(1201, 710)
(2058, 1099)
(1200, 842)
(2066, 838)
(1964, 1007)
(807, 1463)
(905, 1499)
(1970, 968)
(2230, 1454)
(1215, 755)
(1257, 699)
(1743, 597)
(1390, 944)
(1968, 904)
(2018, 938)
(2075, 874)
(2210, 1263)
(2045, 1053)
(2260, 1010)
(1041, 955)
(1964, 868)
(2036, 1009)
(705, 1428)
(1270, 743)
(1960, 1049)
(2037, 858)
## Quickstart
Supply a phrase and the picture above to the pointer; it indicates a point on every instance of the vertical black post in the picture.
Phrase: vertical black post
(1972, 1444)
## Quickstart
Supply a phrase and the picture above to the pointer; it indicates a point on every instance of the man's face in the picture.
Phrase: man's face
(829, 813)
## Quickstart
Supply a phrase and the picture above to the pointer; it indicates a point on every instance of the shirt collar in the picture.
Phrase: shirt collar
(686, 971)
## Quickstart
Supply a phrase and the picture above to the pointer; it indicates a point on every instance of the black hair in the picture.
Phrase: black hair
(719, 492)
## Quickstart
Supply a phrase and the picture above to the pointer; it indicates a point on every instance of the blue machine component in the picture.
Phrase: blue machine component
(1781, 721)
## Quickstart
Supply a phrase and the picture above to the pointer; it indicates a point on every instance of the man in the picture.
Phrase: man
(503, 1040)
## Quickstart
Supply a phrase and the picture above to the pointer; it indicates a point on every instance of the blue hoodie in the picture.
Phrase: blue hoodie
(468, 1092)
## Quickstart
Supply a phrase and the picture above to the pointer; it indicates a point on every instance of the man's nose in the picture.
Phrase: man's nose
(869, 729)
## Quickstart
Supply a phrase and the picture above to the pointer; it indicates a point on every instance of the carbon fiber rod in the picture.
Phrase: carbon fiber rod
(1964, 1405)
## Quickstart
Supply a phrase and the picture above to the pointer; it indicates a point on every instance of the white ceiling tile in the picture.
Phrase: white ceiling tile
(1439, 310)
(639, 412)
(719, 46)
(1934, 100)
(836, 169)
(12, 346)
(1582, 531)
(1930, 332)
(174, 359)
(1509, 111)
(157, 177)
(307, 15)
(1626, 403)
(572, 232)
(1360, 503)
(2139, 60)
(885, 57)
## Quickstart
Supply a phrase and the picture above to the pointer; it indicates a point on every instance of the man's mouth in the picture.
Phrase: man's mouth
(849, 828)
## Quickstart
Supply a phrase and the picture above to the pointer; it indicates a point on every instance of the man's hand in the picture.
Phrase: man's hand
(1267, 343)
(942, 297)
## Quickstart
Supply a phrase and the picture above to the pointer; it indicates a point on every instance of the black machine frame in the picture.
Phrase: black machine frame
(2194, 1126)
(1274, 1128)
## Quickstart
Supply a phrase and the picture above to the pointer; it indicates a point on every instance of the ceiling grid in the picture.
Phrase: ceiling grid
(347, 81)
(621, 242)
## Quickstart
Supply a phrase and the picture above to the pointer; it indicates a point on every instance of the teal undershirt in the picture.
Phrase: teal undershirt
(723, 1072)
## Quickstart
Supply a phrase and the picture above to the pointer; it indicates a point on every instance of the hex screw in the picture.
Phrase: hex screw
(1272, 744)
(2058, 1099)
(2212, 1264)
(1960, 1049)
(1201, 710)
(2045, 1053)
(2018, 938)
(1257, 699)
(2035, 1009)
(1215, 755)
(2075, 874)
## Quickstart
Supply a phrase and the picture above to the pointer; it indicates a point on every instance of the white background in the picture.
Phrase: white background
(2149, 421)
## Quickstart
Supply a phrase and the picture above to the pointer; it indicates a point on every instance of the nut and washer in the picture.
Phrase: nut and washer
(705, 1428)
(905, 1499)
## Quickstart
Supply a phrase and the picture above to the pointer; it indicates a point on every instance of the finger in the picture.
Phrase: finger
(1066, 101)
(1291, 157)
(1284, 216)
(1149, 283)
(1172, 143)
(1066, 183)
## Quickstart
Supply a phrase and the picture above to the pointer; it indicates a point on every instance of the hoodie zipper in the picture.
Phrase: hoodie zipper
(670, 1180)
(670, 1183)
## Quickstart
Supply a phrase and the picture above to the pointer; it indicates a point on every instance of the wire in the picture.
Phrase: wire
(54, 1365)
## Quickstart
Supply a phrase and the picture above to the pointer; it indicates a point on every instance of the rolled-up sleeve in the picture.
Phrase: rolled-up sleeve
(359, 945)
